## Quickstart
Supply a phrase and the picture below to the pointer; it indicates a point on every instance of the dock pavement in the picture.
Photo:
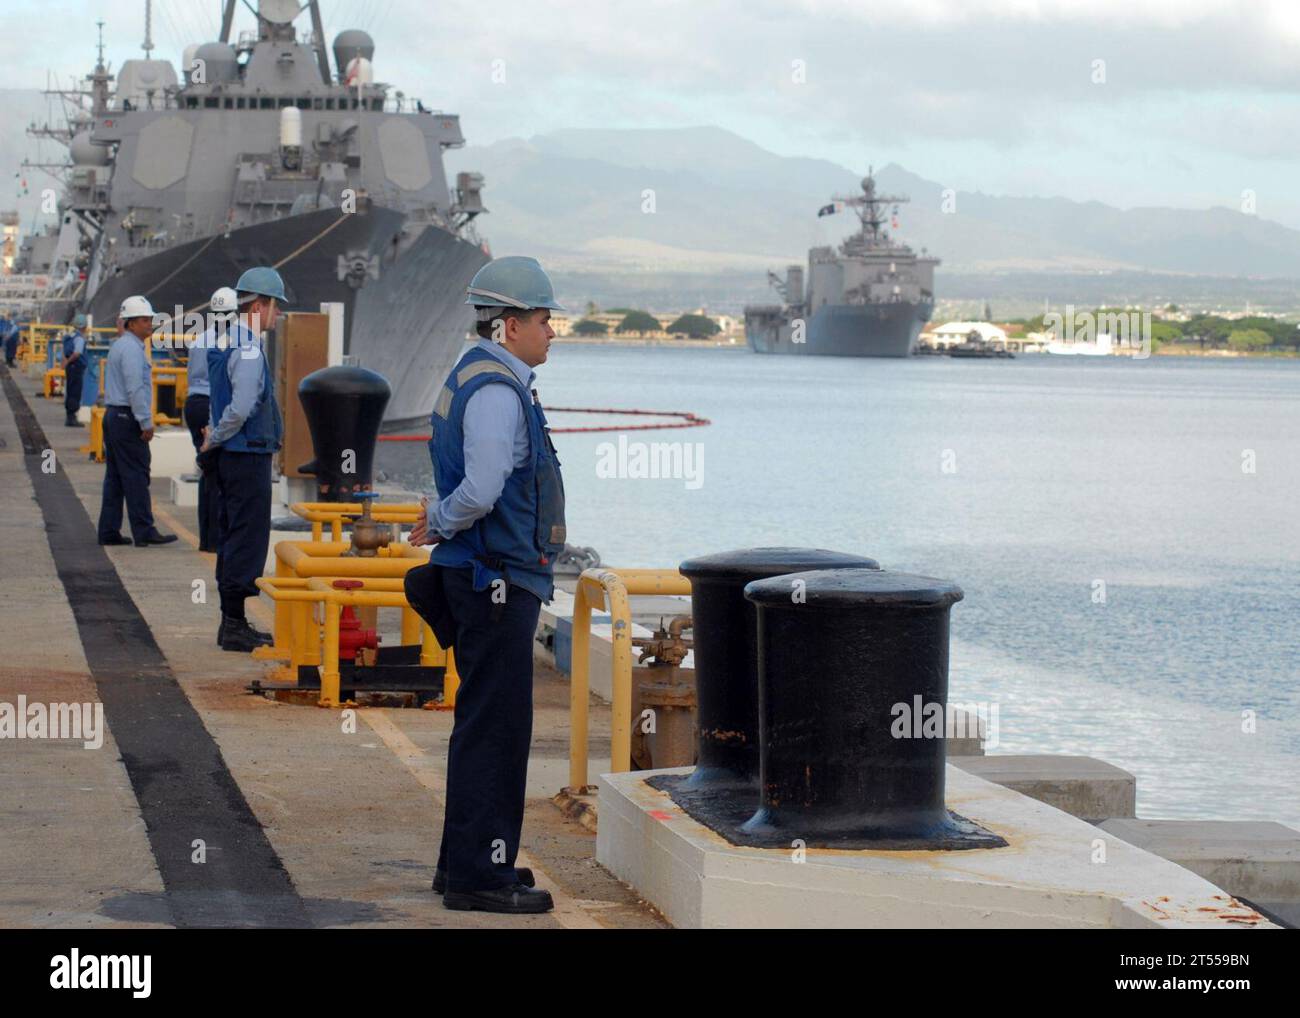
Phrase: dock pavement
(204, 805)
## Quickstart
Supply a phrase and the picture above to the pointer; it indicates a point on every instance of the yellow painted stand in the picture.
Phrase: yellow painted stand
(55, 379)
(338, 513)
(311, 642)
(326, 559)
(594, 587)
(94, 446)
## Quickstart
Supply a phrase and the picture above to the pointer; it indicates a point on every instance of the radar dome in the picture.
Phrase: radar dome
(85, 153)
(219, 64)
(350, 44)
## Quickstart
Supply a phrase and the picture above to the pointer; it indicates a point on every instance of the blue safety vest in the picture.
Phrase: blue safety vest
(263, 428)
(70, 345)
(519, 539)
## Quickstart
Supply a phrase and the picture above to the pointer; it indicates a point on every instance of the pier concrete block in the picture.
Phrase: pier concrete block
(1254, 859)
(185, 491)
(171, 452)
(965, 732)
(1055, 872)
(1082, 786)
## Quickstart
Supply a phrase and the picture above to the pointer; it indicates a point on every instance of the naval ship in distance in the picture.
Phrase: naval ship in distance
(262, 153)
(868, 298)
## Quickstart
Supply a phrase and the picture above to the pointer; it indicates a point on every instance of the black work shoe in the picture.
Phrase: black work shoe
(153, 537)
(72, 422)
(440, 879)
(238, 635)
(114, 539)
(515, 899)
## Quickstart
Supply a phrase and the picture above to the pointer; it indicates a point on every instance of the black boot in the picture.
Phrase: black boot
(440, 879)
(516, 899)
(72, 422)
(238, 635)
(154, 537)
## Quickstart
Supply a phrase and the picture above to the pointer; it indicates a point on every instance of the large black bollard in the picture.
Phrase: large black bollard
(344, 407)
(853, 686)
(726, 672)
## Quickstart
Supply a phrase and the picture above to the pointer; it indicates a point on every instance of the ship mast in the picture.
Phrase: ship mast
(868, 206)
(76, 117)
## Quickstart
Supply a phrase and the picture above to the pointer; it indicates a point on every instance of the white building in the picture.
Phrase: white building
(956, 333)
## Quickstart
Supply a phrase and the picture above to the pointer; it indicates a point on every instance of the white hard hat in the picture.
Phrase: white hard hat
(135, 307)
(224, 299)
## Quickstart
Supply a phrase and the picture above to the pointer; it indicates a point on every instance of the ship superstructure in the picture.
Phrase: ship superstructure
(867, 298)
(263, 152)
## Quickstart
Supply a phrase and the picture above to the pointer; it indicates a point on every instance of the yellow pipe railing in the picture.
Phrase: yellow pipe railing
(595, 586)
(306, 559)
(371, 596)
(317, 643)
(338, 513)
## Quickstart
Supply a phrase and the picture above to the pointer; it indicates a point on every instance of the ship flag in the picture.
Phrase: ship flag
(828, 210)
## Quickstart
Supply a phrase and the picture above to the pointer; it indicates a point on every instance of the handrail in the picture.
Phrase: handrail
(335, 513)
(309, 642)
(595, 586)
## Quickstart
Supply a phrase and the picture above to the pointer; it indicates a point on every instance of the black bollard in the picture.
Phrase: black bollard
(853, 687)
(726, 672)
(344, 407)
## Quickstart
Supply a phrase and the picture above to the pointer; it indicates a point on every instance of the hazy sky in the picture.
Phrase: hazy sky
(1195, 101)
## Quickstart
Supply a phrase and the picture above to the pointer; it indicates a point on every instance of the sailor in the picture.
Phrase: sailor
(497, 529)
(9, 333)
(128, 430)
(74, 369)
(245, 426)
(222, 308)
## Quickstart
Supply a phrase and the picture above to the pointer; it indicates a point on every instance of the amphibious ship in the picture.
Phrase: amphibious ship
(262, 153)
(868, 298)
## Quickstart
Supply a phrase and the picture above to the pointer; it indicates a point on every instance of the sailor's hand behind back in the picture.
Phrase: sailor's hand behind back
(421, 535)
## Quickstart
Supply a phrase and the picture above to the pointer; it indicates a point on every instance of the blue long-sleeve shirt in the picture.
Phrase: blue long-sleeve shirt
(196, 371)
(245, 373)
(128, 378)
(496, 444)
(78, 346)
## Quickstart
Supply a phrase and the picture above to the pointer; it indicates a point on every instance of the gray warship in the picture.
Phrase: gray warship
(868, 298)
(264, 154)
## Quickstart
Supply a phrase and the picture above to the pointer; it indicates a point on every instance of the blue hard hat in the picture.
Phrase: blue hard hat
(79, 320)
(263, 281)
(512, 282)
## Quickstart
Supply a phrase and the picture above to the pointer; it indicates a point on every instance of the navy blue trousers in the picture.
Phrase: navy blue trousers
(72, 383)
(196, 419)
(243, 527)
(487, 763)
(126, 476)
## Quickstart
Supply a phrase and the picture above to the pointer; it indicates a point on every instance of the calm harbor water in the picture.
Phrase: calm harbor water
(1039, 485)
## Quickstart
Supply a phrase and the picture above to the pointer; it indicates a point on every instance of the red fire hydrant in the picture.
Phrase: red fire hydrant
(352, 638)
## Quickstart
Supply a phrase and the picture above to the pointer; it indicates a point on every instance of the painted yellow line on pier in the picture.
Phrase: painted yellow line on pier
(568, 912)
(255, 605)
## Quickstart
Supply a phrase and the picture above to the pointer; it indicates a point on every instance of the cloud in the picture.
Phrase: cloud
(973, 88)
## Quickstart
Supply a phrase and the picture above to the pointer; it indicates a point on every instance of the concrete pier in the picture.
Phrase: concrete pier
(1082, 786)
(337, 818)
(1056, 872)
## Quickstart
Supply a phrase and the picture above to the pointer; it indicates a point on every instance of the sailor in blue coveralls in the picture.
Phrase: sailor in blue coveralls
(128, 430)
(497, 529)
(74, 370)
(9, 333)
(198, 410)
(246, 428)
